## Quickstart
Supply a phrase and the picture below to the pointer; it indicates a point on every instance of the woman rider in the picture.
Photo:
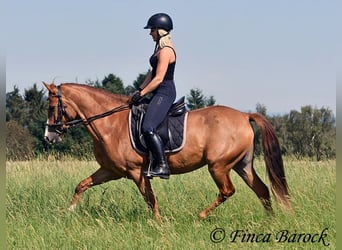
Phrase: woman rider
(160, 82)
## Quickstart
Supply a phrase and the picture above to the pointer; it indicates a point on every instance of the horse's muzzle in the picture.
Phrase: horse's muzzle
(52, 136)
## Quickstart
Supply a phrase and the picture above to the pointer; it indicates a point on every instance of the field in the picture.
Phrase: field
(115, 216)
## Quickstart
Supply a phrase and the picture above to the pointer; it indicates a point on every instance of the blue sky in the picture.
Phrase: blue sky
(282, 54)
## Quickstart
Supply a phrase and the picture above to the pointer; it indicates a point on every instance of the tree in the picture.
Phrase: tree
(210, 101)
(36, 106)
(129, 90)
(112, 83)
(136, 84)
(15, 107)
(312, 132)
(196, 100)
(140, 79)
(19, 142)
(95, 83)
(260, 108)
(323, 134)
(279, 124)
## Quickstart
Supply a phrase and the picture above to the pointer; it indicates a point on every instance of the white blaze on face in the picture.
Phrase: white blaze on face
(51, 137)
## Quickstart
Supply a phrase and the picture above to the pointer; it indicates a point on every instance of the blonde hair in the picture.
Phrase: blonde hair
(165, 38)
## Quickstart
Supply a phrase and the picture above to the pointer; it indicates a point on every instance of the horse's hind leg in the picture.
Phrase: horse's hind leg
(246, 170)
(225, 185)
(102, 175)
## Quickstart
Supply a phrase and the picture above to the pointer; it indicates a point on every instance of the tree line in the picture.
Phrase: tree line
(310, 132)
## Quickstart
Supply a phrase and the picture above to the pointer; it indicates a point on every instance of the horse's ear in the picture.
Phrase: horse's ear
(48, 86)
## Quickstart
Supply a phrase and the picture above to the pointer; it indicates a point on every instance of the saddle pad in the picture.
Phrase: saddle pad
(172, 132)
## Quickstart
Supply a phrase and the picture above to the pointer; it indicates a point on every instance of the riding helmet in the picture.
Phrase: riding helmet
(160, 21)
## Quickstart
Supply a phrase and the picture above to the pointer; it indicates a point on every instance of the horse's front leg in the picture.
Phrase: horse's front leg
(81, 187)
(145, 189)
(102, 175)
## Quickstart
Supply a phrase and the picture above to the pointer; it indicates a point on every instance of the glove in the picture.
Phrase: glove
(136, 97)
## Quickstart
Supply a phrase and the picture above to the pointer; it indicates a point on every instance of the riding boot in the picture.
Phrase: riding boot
(155, 145)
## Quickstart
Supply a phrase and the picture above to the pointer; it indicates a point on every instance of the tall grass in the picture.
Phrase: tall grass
(115, 216)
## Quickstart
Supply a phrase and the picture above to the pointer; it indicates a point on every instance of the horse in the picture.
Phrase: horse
(219, 137)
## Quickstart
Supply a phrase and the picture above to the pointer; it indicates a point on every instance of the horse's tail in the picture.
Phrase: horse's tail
(273, 160)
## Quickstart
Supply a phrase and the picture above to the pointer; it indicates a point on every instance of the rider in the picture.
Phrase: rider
(159, 81)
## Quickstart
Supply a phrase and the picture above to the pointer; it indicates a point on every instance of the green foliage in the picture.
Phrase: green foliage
(197, 100)
(29, 112)
(260, 108)
(113, 84)
(313, 132)
(15, 106)
(36, 106)
(258, 150)
(19, 142)
(140, 79)
(310, 132)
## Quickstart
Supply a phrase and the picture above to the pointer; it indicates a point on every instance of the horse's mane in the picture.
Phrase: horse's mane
(97, 91)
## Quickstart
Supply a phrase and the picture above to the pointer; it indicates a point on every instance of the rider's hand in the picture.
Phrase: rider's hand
(136, 97)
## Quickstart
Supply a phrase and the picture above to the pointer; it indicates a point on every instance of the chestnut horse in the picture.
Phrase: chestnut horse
(217, 136)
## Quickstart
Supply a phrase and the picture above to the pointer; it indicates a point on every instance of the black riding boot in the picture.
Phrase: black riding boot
(155, 145)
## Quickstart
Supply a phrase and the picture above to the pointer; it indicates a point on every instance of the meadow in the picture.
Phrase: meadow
(115, 216)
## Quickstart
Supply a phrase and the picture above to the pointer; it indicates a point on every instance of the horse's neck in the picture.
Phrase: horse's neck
(92, 101)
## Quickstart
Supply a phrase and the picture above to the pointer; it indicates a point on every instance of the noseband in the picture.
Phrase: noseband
(59, 127)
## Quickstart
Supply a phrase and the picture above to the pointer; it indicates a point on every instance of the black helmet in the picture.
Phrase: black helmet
(160, 21)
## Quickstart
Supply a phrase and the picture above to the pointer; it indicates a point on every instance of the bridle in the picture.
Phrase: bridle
(59, 127)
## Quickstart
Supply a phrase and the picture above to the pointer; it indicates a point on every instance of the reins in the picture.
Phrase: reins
(95, 117)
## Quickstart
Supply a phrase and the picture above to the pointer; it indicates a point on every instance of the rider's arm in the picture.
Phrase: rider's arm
(147, 80)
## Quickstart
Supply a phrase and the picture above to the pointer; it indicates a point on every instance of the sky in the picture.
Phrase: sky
(281, 54)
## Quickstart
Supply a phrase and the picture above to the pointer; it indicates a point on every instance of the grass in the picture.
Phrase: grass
(115, 216)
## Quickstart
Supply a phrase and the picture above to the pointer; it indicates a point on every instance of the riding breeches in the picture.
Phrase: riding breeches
(163, 98)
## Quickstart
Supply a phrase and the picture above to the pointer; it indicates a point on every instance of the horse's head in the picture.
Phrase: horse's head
(59, 113)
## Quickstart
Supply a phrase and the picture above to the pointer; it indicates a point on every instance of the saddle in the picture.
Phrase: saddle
(171, 130)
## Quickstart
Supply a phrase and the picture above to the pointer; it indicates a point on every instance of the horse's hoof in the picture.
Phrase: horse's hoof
(72, 208)
(202, 215)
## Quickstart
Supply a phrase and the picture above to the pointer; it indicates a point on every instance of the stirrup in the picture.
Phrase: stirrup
(149, 173)
(150, 164)
(162, 171)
